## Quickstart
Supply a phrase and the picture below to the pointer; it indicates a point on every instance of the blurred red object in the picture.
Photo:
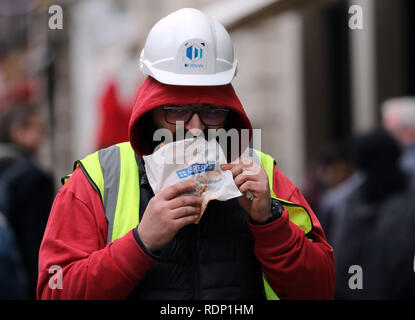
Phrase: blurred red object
(115, 116)
(24, 90)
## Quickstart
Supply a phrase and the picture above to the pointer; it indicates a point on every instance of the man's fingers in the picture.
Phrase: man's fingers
(228, 166)
(236, 169)
(187, 200)
(247, 162)
(240, 179)
(256, 188)
(240, 166)
(248, 185)
(177, 189)
(184, 212)
(180, 223)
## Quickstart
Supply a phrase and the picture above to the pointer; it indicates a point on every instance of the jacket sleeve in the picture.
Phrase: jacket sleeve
(74, 250)
(295, 267)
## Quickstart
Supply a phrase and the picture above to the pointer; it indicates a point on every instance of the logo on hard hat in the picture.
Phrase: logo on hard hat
(194, 52)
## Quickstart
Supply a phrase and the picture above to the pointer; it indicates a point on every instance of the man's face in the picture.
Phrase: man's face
(29, 136)
(209, 117)
(391, 121)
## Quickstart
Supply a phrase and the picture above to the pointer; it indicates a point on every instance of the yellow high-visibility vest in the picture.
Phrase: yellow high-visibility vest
(113, 173)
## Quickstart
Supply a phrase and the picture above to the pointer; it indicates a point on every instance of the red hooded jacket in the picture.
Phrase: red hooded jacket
(75, 237)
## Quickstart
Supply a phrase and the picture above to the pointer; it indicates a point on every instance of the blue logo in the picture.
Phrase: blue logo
(194, 53)
(195, 169)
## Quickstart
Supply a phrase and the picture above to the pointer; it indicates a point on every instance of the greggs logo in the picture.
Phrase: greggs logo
(195, 169)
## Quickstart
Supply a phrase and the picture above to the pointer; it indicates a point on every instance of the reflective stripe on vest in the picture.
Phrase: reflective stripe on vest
(113, 172)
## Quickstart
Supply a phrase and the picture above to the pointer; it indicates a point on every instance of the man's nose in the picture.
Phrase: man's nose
(195, 126)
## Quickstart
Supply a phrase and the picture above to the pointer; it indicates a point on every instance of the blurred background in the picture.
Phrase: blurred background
(306, 78)
(312, 78)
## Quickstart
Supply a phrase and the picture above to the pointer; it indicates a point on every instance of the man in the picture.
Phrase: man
(113, 238)
(381, 204)
(398, 117)
(339, 176)
(26, 191)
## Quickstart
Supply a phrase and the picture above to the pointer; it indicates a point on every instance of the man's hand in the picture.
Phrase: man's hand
(249, 176)
(166, 214)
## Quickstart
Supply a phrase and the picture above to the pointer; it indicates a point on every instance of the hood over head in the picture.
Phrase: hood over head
(153, 94)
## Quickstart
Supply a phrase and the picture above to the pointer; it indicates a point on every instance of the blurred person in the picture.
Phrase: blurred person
(114, 239)
(28, 188)
(373, 227)
(336, 165)
(398, 117)
(330, 168)
(339, 177)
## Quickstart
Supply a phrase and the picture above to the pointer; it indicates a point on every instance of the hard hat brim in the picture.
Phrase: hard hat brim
(166, 77)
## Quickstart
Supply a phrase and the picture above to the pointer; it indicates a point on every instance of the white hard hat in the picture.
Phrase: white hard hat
(187, 47)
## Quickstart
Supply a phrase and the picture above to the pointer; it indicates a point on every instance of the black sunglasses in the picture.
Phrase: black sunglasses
(209, 116)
